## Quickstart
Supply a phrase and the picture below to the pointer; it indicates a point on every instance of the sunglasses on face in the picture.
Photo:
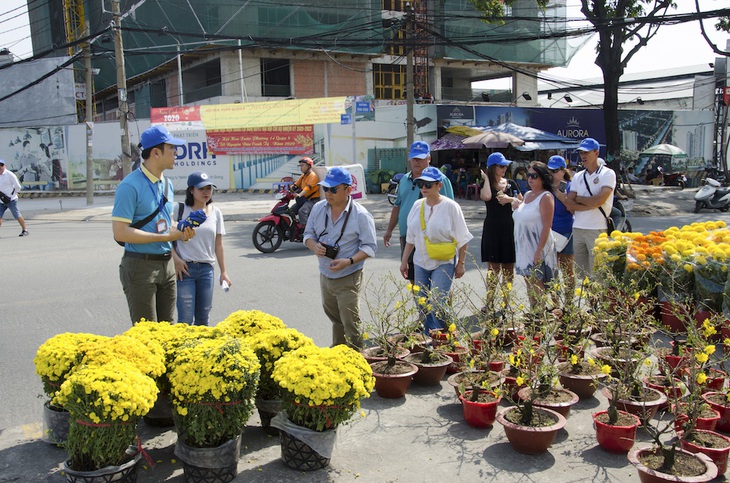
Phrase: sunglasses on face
(332, 190)
(424, 184)
(556, 170)
(533, 175)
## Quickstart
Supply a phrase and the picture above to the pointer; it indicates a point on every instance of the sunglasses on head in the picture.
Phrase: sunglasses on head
(424, 184)
(332, 190)
(533, 175)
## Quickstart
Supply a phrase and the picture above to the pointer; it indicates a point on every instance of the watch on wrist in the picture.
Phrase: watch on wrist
(352, 262)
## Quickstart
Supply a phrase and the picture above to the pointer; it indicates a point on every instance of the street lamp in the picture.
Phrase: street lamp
(565, 98)
(526, 95)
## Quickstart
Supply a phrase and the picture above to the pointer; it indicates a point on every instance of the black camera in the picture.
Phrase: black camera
(330, 251)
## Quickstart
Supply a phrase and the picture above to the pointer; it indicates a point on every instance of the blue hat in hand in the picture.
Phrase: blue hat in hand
(157, 135)
(431, 174)
(200, 180)
(556, 162)
(419, 150)
(588, 144)
(498, 159)
(336, 176)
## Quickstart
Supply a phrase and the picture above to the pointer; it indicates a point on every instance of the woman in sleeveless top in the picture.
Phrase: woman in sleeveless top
(498, 243)
(535, 258)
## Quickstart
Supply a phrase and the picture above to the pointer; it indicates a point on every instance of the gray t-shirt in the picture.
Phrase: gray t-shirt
(201, 248)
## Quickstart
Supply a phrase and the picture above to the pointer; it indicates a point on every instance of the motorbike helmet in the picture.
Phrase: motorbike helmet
(307, 160)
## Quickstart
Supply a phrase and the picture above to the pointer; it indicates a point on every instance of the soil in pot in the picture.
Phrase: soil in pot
(431, 367)
(644, 405)
(673, 389)
(685, 464)
(559, 400)
(715, 446)
(718, 402)
(480, 378)
(392, 382)
(707, 420)
(581, 378)
(619, 437)
(377, 354)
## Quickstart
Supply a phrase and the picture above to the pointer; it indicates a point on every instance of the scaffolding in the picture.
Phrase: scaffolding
(73, 19)
(420, 49)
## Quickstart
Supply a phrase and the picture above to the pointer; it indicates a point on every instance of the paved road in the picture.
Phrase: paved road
(63, 277)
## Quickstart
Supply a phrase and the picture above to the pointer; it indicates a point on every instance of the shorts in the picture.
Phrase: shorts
(13, 205)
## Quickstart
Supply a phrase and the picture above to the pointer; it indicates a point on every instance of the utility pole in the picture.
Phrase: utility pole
(121, 87)
(409, 77)
(89, 121)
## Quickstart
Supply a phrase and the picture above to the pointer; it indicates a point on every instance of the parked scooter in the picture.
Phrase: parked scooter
(712, 195)
(278, 226)
(676, 179)
(620, 218)
(393, 187)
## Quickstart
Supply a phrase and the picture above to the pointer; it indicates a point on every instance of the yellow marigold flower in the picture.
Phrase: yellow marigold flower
(701, 260)
(701, 378)
(688, 267)
(452, 328)
(495, 332)
(710, 349)
(574, 359)
(606, 369)
(520, 380)
(702, 357)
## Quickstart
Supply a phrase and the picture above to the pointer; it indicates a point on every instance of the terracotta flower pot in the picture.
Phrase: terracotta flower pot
(708, 423)
(645, 410)
(393, 385)
(429, 374)
(647, 475)
(715, 380)
(479, 414)
(531, 439)
(718, 402)
(561, 407)
(454, 380)
(582, 385)
(717, 455)
(615, 438)
(375, 354)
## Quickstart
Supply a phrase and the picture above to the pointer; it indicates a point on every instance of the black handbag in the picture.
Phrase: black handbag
(4, 198)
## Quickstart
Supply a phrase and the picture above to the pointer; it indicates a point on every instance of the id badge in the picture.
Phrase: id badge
(161, 226)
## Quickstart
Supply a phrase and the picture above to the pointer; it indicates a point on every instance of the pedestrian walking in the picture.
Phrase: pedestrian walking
(9, 189)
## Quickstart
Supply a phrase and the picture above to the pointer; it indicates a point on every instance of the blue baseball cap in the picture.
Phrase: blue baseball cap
(419, 150)
(588, 144)
(336, 176)
(200, 180)
(556, 162)
(431, 174)
(156, 135)
(498, 159)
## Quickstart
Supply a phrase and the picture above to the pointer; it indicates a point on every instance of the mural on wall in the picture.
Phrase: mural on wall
(36, 155)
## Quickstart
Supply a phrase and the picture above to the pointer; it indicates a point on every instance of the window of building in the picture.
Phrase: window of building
(202, 81)
(275, 78)
(396, 5)
(389, 81)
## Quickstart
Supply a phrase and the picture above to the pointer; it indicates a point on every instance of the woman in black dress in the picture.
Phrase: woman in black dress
(498, 243)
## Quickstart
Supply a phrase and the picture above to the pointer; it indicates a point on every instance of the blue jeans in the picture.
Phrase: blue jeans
(438, 282)
(195, 294)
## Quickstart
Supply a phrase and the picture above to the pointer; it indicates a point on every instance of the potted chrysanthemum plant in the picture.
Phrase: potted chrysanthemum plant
(213, 384)
(322, 388)
(269, 346)
(105, 401)
(55, 360)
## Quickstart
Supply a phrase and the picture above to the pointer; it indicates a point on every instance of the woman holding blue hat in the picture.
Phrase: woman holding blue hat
(498, 242)
(438, 233)
(194, 260)
(563, 219)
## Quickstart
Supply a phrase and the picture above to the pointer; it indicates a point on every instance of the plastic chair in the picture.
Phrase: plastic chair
(472, 188)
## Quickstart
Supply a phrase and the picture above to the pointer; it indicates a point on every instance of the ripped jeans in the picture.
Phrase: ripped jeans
(195, 294)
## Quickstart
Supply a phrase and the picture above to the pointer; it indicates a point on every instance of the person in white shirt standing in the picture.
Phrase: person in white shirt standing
(9, 189)
(592, 192)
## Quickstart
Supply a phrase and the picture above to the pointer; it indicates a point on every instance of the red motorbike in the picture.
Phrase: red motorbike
(281, 224)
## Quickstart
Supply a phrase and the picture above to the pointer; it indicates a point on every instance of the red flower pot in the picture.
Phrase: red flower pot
(456, 355)
(496, 366)
(479, 414)
(614, 438)
(393, 386)
(717, 455)
(644, 410)
(667, 312)
(706, 423)
(724, 409)
(562, 408)
(673, 392)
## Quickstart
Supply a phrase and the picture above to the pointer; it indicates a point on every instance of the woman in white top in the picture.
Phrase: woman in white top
(441, 220)
(535, 255)
(194, 260)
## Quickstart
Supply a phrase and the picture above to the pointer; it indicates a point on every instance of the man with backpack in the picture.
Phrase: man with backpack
(141, 220)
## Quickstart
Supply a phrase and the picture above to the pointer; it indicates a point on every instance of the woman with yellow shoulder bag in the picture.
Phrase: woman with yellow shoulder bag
(438, 233)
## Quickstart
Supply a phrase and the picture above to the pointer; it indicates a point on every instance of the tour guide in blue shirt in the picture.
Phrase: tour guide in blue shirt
(341, 233)
(147, 271)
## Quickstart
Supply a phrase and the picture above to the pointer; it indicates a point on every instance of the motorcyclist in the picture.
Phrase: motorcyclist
(306, 189)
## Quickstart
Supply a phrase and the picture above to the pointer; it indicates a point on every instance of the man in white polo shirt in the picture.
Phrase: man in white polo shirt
(591, 191)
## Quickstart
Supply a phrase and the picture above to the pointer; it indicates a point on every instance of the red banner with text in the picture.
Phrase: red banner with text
(265, 140)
